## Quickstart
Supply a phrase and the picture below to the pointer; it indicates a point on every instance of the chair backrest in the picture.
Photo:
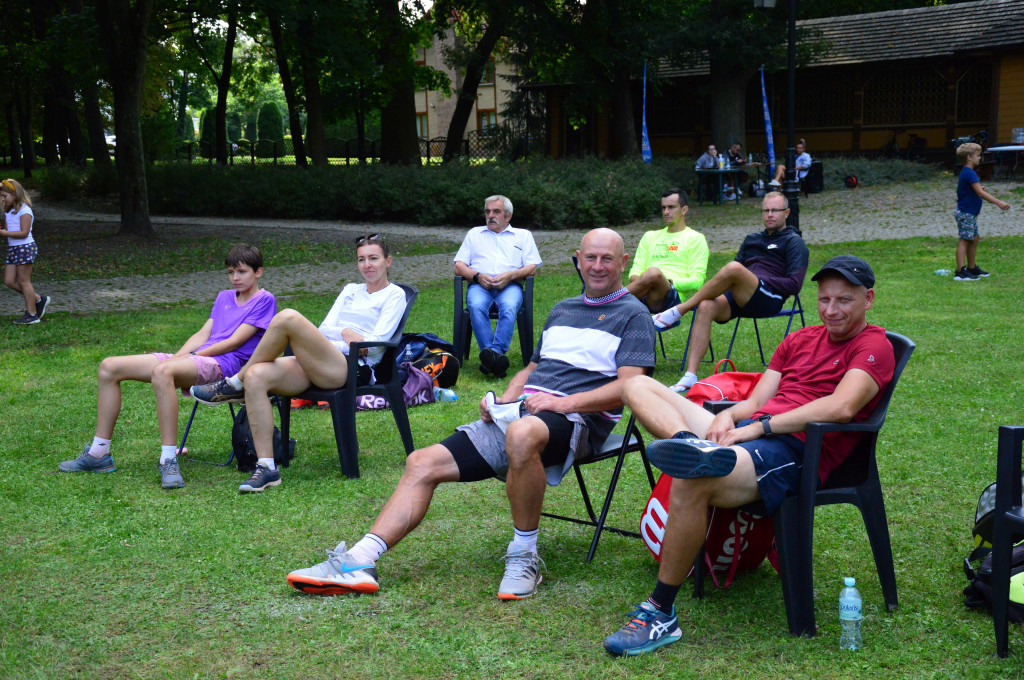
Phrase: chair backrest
(576, 266)
(854, 469)
(385, 368)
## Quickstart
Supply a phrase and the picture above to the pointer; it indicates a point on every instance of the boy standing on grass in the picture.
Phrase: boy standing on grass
(969, 193)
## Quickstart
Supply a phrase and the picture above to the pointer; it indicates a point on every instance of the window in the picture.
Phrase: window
(488, 76)
(421, 126)
(486, 121)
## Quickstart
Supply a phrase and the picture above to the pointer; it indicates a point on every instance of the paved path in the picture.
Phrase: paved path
(831, 217)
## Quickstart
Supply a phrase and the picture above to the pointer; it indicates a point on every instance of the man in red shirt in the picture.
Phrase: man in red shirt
(752, 451)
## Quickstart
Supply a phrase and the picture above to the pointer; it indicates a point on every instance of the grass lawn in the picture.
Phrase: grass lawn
(108, 576)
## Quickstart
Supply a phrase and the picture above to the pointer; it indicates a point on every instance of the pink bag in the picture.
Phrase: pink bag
(418, 389)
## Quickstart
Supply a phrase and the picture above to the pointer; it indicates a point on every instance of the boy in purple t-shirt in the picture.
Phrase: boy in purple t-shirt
(237, 322)
(969, 193)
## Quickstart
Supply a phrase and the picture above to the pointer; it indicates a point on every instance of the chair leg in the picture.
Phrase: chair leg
(188, 427)
(396, 399)
(872, 509)
(735, 330)
(796, 570)
(699, 572)
(343, 414)
(760, 348)
(1002, 551)
(607, 501)
(525, 328)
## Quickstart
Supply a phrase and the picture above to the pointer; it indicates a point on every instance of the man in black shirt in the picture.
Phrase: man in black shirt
(769, 267)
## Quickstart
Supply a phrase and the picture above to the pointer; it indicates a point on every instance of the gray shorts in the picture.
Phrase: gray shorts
(489, 441)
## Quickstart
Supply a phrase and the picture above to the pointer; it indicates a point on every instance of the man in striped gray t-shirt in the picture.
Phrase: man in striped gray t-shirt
(564, 404)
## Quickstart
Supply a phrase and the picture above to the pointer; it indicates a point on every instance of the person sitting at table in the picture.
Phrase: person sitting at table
(736, 156)
(709, 161)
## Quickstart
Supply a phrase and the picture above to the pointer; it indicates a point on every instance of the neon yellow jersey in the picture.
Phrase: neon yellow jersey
(681, 256)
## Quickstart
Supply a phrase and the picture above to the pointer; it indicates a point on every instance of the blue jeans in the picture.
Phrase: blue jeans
(508, 300)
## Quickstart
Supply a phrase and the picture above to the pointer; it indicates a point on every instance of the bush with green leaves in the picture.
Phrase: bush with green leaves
(871, 172)
(270, 124)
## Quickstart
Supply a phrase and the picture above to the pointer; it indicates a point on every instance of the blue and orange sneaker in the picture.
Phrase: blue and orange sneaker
(648, 629)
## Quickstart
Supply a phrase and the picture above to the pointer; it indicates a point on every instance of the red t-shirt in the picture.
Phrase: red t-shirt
(812, 365)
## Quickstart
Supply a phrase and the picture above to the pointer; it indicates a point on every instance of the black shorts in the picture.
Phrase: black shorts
(777, 462)
(671, 300)
(764, 302)
(473, 467)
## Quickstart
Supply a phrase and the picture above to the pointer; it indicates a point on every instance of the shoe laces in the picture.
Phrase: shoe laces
(640, 617)
(521, 560)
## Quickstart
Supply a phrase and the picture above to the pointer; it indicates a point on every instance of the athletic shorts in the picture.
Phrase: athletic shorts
(207, 368)
(966, 225)
(777, 462)
(473, 467)
(26, 253)
(671, 300)
(761, 304)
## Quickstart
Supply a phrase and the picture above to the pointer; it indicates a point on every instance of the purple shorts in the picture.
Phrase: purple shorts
(26, 253)
(207, 368)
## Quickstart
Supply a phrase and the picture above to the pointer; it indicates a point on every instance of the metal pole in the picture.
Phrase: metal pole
(792, 184)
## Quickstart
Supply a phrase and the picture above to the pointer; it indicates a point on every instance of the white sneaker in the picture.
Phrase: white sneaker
(338, 574)
(522, 574)
(503, 415)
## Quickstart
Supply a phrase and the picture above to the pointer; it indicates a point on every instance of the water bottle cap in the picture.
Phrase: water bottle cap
(849, 582)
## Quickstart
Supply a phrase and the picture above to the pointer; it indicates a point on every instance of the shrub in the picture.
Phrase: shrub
(875, 172)
(269, 122)
(207, 133)
(61, 184)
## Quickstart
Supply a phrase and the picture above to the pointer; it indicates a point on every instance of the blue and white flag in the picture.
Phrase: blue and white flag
(768, 127)
(645, 142)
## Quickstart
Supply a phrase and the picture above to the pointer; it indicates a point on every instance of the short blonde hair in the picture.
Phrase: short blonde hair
(12, 186)
(965, 150)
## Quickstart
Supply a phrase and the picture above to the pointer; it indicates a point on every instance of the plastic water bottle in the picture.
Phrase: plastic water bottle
(850, 615)
(444, 394)
(943, 272)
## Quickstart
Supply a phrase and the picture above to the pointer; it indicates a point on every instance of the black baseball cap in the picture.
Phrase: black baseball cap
(851, 268)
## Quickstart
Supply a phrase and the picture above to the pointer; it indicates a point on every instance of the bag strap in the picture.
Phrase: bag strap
(732, 366)
(735, 563)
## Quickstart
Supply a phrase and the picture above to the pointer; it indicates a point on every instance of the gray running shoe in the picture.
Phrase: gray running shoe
(522, 574)
(338, 575)
(87, 463)
(691, 458)
(41, 304)
(261, 479)
(170, 475)
(26, 319)
(216, 393)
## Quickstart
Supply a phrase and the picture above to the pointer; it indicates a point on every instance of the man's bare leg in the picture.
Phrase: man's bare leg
(661, 411)
(733, 276)
(651, 285)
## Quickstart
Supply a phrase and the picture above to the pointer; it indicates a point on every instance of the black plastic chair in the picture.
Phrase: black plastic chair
(855, 482)
(616, 446)
(1009, 522)
(462, 332)
(343, 399)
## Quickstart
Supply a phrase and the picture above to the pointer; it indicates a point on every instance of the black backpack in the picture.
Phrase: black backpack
(244, 450)
(978, 565)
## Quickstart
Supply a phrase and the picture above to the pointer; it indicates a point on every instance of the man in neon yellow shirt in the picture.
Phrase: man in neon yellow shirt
(669, 262)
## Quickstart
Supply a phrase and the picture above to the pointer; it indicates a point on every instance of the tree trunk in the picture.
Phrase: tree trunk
(94, 126)
(123, 30)
(223, 84)
(71, 125)
(53, 116)
(728, 104)
(470, 84)
(28, 147)
(12, 132)
(398, 141)
(315, 136)
(288, 85)
(624, 139)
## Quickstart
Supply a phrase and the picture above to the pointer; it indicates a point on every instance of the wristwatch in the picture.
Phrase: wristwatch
(476, 277)
(764, 424)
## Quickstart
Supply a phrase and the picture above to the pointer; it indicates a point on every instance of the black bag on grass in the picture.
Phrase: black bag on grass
(979, 593)
(245, 451)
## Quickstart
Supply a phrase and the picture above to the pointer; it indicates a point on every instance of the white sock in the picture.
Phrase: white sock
(525, 540)
(234, 381)
(268, 463)
(687, 380)
(168, 453)
(369, 548)
(668, 317)
(100, 447)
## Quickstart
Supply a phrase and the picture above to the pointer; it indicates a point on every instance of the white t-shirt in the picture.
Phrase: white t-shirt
(14, 224)
(803, 161)
(375, 316)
